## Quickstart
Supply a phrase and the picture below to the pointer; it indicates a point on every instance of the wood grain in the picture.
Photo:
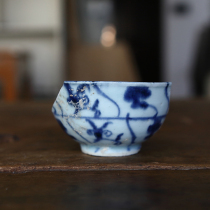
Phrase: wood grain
(106, 190)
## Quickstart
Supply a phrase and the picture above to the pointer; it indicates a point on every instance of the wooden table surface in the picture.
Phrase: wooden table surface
(41, 167)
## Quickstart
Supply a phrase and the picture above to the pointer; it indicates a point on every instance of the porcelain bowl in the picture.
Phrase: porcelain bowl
(111, 118)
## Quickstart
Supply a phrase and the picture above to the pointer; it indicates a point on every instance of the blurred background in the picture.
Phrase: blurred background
(44, 42)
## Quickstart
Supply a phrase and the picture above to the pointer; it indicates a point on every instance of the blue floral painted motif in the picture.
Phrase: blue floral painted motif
(157, 120)
(136, 95)
(99, 132)
(102, 134)
(77, 97)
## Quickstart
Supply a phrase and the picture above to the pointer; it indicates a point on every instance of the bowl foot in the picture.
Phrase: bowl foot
(113, 151)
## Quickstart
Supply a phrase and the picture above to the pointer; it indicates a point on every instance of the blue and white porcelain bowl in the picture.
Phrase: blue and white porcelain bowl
(111, 118)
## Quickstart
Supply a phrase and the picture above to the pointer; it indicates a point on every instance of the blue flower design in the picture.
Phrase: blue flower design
(78, 97)
(137, 95)
(79, 100)
(99, 132)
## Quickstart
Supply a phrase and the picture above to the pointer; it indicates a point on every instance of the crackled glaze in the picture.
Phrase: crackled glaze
(111, 118)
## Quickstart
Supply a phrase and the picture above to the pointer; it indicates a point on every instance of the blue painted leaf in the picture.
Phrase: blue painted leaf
(97, 113)
(94, 108)
(117, 140)
(95, 105)
(106, 124)
(91, 123)
(154, 127)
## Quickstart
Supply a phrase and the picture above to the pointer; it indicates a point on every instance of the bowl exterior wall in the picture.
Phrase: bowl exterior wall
(114, 114)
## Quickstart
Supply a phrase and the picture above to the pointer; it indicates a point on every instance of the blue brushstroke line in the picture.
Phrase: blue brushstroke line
(114, 118)
(77, 132)
(131, 131)
(66, 120)
(60, 109)
(105, 96)
(81, 87)
(54, 110)
(92, 124)
(68, 88)
(95, 105)
(61, 124)
(153, 107)
(166, 92)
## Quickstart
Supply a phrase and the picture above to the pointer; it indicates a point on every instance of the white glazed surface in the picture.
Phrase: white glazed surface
(111, 118)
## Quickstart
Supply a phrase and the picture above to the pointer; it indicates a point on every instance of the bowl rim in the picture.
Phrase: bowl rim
(122, 83)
